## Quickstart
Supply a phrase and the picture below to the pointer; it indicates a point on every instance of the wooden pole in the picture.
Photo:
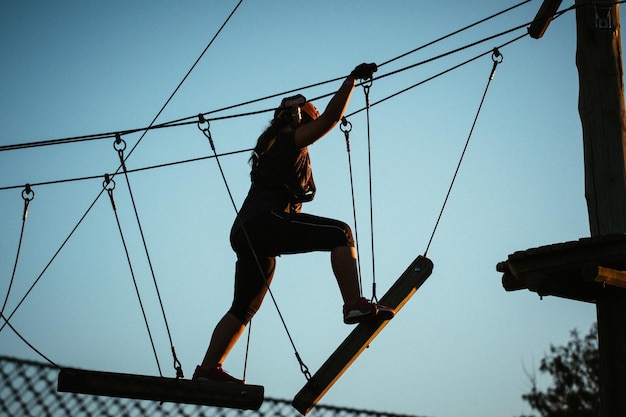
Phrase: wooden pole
(601, 108)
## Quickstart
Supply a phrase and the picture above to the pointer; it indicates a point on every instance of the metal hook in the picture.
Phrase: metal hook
(177, 365)
(119, 144)
(345, 126)
(28, 194)
(497, 58)
(109, 185)
(201, 121)
(206, 130)
(366, 89)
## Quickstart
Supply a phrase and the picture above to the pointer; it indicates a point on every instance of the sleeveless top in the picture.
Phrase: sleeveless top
(282, 179)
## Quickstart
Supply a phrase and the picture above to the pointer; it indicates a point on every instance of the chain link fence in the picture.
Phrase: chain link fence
(28, 389)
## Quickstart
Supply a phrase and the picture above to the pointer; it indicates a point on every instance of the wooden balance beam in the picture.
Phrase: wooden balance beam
(219, 394)
(361, 336)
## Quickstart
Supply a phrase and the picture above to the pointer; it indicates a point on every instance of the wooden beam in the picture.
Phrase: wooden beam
(245, 397)
(543, 18)
(610, 276)
(361, 336)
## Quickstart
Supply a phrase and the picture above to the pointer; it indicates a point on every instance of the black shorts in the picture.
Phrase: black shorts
(268, 235)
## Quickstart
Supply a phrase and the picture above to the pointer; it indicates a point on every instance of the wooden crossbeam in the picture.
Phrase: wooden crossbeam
(245, 397)
(543, 18)
(610, 276)
(360, 337)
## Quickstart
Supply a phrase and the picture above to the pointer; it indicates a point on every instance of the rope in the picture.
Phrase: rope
(192, 119)
(366, 90)
(207, 133)
(346, 128)
(184, 79)
(102, 190)
(456, 32)
(92, 177)
(51, 260)
(23, 339)
(27, 195)
(109, 185)
(120, 146)
(6, 320)
(497, 59)
(163, 165)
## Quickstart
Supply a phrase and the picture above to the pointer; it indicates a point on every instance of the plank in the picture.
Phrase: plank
(543, 18)
(610, 276)
(110, 384)
(359, 339)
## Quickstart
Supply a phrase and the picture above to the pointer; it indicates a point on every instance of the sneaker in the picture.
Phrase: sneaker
(359, 311)
(216, 374)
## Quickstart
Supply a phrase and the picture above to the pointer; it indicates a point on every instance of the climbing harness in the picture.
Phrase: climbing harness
(497, 59)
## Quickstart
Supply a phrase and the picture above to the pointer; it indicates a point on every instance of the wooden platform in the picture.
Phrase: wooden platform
(580, 270)
(361, 336)
(245, 397)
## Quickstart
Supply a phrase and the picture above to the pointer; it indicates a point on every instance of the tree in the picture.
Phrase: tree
(575, 370)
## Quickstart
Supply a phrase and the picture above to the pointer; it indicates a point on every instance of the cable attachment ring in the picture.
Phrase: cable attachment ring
(177, 365)
(497, 58)
(366, 89)
(120, 146)
(346, 128)
(303, 368)
(206, 130)
(27, 195)
(109, 185)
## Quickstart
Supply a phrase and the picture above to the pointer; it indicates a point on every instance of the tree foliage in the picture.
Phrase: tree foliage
(575, 371)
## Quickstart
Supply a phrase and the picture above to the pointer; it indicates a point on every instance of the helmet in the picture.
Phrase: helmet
(293, 107)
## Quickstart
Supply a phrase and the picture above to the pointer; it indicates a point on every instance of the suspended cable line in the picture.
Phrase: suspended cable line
(184, 79)
(439, 74)
(189, 120)
(23, 339)
(27, 195)
(456, 32)
(98, 176)
(109, 186)
(497, 59)
(6, 320)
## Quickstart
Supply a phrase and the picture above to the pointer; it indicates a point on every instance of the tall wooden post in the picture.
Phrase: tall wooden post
(601, 107)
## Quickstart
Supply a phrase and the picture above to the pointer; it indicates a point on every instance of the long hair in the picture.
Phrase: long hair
(264, 142)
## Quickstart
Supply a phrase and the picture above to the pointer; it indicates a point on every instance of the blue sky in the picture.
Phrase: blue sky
(461, 347)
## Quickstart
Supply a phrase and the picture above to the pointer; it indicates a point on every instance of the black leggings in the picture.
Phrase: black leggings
(270, 234)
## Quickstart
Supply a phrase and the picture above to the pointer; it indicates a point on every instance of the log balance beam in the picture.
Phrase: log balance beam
(202, 392)
(361, 336)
